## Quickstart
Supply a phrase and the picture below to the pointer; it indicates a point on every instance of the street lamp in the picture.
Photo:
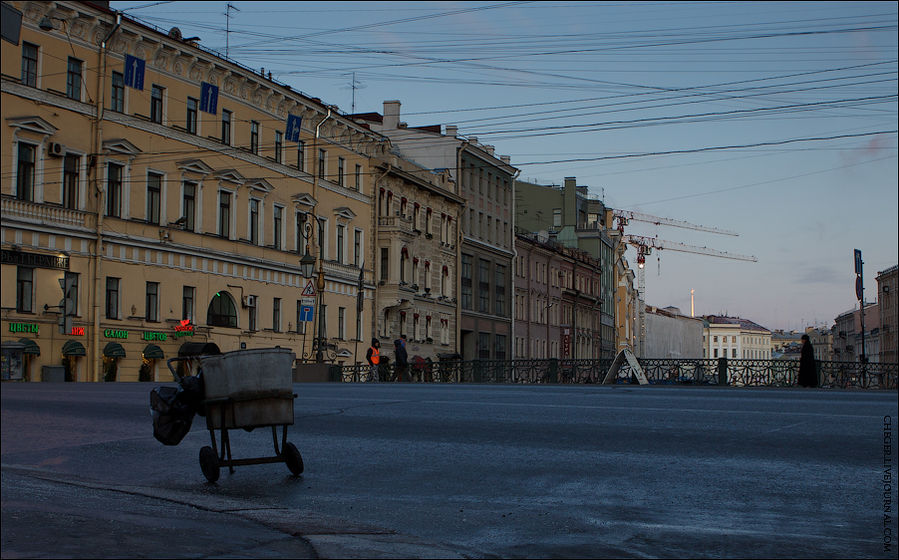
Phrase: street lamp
(307, 265)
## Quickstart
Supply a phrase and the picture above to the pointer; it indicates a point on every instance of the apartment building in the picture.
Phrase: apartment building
(538, 298)
(851, 341)
(735, 338)
(887, 283)
(154, 192)
(485, 181)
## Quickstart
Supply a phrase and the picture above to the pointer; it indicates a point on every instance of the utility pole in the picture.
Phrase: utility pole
(228, 26)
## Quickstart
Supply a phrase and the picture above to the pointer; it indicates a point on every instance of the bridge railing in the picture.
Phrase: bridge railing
(667, 371)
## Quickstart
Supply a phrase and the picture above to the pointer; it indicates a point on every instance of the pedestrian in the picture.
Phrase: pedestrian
(808, 371)
(374, 359)
(401, 357)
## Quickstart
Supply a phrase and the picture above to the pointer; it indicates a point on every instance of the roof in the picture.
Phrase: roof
(743, 323)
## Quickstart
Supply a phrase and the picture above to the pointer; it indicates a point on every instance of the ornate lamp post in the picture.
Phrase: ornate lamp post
(307, 265)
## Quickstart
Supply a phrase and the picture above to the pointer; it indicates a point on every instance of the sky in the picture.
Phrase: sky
(776, 121)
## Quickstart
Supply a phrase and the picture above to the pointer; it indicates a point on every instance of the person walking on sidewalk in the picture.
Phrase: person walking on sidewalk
(402, 359)
(374, 358)
(808, 372)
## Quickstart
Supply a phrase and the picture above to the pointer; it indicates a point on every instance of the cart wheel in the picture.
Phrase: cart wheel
(293, 459)
(209, 462)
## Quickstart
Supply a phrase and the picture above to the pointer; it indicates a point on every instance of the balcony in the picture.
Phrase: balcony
(47, 214)
(398, 224)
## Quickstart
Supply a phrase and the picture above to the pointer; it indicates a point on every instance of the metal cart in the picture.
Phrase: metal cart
(246, 389)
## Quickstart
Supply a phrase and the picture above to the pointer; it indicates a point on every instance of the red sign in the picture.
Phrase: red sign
(77, 331)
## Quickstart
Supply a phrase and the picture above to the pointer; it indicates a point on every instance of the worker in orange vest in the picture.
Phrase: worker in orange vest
(374, 358)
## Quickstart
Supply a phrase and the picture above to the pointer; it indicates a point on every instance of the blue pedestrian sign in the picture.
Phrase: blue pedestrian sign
(134, 72)
(306, 313)
(293, 127)
(209, 98)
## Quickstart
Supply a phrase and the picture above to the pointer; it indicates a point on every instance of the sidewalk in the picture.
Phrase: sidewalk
(46, 515)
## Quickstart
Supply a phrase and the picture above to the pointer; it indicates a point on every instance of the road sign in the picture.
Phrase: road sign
(134, 72)
(309, 290)
(209, 98)
(307, 300)
(858, 261)
(294, 123)
(307, 312)
(859, 288)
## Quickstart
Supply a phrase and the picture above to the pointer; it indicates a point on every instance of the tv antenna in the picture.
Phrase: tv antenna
(228, 25)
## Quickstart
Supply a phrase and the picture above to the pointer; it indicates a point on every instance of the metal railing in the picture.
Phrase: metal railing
(721, 371)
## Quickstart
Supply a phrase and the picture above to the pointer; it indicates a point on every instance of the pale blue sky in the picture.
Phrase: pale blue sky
(774, 120)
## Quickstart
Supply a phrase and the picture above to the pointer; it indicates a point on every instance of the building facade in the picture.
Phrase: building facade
(538, 297)
(670, 334)
(887, 283)
(485, 181)
(163, 193)
(849, 343)
(735, 338)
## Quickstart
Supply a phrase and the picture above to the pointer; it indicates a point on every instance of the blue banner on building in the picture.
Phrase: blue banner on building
(294, 123)
(209, 98)
(134, 72)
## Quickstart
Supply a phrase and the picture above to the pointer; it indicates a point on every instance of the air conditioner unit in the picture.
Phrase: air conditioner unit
(249, 301)
(56, 149)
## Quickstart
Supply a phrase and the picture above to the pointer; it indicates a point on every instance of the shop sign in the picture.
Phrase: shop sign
(23, 327)
(77, 331)
(113, 333)
(149, 335)
(21, 258)
(184, 329)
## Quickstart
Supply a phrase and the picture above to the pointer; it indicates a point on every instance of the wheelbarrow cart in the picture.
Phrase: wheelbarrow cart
(246, 389)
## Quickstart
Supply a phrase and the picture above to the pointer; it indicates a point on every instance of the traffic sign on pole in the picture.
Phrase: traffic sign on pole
(309, 290)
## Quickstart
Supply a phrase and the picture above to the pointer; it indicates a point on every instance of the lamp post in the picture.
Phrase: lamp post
(307, 265)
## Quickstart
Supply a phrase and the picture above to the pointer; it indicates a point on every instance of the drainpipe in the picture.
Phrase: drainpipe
(98, 189)
(457, 291)
(376, 198)
(315, 153)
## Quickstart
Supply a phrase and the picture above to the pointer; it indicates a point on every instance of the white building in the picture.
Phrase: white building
(735, 338)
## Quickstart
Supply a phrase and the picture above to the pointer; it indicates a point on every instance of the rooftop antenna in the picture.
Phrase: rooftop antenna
(354, 84)
(228, 25)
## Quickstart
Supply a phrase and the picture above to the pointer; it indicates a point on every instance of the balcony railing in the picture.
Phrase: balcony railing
(734, 373)
(47, 214)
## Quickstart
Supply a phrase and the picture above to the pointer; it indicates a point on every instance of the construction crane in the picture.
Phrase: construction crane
(645, 245)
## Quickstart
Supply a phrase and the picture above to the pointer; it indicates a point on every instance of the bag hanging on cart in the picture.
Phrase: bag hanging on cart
(172, 414)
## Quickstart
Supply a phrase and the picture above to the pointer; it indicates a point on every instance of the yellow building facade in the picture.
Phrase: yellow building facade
(165, 188)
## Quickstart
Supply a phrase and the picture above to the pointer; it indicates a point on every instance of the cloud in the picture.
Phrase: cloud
(819, 274)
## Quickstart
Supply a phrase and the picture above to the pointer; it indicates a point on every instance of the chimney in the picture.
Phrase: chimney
(391, 114)
(473, 140)
(490, 149)
(452, 130)
(570, 182)
(506, 159)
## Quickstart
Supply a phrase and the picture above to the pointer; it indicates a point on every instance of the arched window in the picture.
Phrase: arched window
(222, 312)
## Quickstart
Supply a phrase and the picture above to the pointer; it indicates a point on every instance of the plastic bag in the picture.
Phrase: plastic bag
(172, 414)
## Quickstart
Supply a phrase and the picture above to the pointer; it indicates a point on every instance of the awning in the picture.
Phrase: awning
(114, 350)
(31, 347)
(73, 348)
(153, 352)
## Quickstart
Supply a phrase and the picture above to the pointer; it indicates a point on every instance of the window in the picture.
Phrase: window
(279, 144)
(254, 137)
(156, 104)
(254, 222)
(483, 346)
(221, 311)
(189, 205)
(341, 168)
(385, 263)
(466, 282)
(114, 190)
(187, 303)
(301, 241)
(25, 174)
(341, 238)
(301, 155)
(276, 314)
(29, 64)
(191, 122)
(152, 301)
(484, 286)
(70, 181)
(154, 195)
(73, 79)
(279, 213)
(358, 177)
(357, 247)
(733, 353)
(499, 347)
(341, 323)
(226, 126)
(252, 318)
(500, 289)
(225, 214)
(557, 217)
(24, 289)
(112, 297)
(322, 160)
(117, 101)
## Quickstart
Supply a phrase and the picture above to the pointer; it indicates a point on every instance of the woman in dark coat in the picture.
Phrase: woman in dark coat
(808, 372)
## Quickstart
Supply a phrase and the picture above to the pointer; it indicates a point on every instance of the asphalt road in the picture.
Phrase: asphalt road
(507, 471)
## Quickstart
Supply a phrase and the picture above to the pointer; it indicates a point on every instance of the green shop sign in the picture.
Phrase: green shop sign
(23, 327)
(113, 333)
(150, 335)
